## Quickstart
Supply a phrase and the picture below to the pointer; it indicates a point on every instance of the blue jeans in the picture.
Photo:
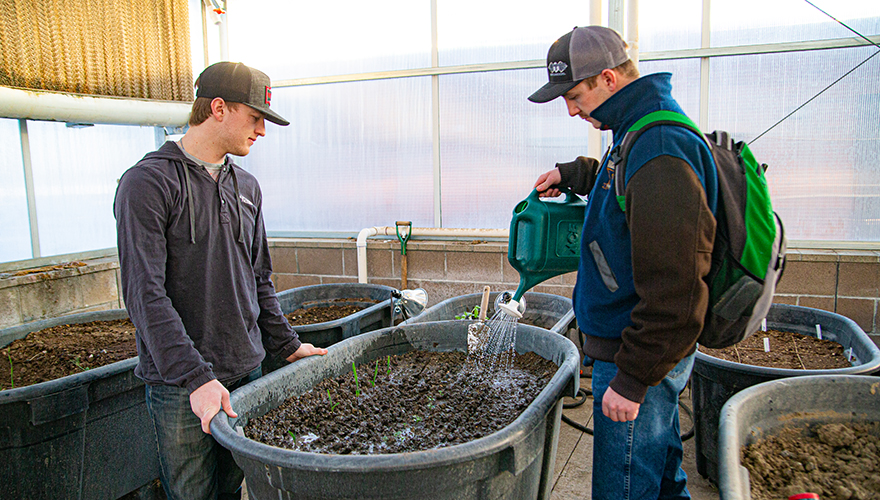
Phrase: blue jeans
(192, 465)
(641, 459)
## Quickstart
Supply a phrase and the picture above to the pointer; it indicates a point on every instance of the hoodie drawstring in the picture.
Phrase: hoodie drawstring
(238, 205)
(192, 206)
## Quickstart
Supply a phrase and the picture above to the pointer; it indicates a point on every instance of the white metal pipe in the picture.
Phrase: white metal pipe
(79, 108)
(632, 29)
(417, 231)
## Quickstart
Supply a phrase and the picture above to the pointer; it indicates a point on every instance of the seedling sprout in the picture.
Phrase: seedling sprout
(357, 388)
(11, 376)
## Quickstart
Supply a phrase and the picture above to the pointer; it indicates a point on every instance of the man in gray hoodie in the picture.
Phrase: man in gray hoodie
(196, 270)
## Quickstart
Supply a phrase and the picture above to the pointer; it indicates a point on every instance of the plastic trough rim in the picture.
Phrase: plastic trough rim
(869, 366)
(488, 445)
(335, 322)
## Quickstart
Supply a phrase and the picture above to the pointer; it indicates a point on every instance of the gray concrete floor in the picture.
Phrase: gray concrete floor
(573, 470)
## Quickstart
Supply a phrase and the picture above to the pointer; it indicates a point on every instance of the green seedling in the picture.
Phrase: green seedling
(389, 364)
(375, 372)
(417, 418)
(474, 314)
(357, 387)
(11, 375)
(293, 436)
(78, 365)
(332, 404)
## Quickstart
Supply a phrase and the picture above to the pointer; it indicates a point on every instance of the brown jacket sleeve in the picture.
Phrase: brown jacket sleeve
(672, 231)
(579, 175)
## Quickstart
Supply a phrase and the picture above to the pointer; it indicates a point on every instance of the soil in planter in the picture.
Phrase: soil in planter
(321, 314)
(836, 461)
(789, 350)
(409, 402)
(64, 350)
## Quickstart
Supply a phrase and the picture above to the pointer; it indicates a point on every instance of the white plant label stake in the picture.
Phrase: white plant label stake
(764, 324)
(766, 344)
(818, 331)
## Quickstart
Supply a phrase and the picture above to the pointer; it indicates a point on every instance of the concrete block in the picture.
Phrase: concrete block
(10, 308)
(98, 288)
(791, 300)
(283, 260)
(425, 265)
(380, 264)
(823, 303)
(476, 267)
(349, 262)
(808, 278)
(326, 261)
(859, 279)
(859, 310)
(48, 298)
(288, 281)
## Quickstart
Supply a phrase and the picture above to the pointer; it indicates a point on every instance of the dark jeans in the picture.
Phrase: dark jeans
(193, 466)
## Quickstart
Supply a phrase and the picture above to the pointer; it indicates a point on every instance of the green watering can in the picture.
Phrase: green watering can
(544, 242)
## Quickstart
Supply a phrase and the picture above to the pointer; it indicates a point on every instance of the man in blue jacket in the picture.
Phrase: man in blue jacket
(196, 271)
(640, 296)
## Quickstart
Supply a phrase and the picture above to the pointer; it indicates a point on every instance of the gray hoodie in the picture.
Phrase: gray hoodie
(196, 271)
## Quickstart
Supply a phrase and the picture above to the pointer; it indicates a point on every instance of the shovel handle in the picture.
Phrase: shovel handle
(484, 304)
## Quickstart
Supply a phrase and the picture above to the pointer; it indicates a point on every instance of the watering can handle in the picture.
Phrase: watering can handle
(570, 197)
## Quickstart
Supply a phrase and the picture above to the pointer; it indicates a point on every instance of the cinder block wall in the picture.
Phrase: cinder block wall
(845, 282)
(35, 296)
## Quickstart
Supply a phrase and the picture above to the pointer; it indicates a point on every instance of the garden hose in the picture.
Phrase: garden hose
(582, 396)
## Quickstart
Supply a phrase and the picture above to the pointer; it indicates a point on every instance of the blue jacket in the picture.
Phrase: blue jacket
(638, 296)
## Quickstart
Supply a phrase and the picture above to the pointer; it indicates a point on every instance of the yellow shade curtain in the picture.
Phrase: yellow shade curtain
(124, 48)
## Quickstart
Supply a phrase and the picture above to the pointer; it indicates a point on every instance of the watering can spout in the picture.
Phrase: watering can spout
(544, 241)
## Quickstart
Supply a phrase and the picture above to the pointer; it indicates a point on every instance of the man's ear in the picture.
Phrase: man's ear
(219, 108)
(609, 78)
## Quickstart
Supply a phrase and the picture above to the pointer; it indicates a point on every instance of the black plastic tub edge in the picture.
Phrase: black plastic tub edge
(715, 380)
(545, 310)
(515, 462)
(372, 317)
(762, 410)
(85, 436)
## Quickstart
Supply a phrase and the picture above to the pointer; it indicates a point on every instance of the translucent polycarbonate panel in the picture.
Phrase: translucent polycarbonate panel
(355, 155)
(750, 22)
(685, 81)
(15, 238)
(824, 161)
(670, 25)
(75, 175)
(490, 31)
(494, 143)
(289, 40)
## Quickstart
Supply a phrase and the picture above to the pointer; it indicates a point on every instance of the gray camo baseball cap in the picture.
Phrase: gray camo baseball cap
(579, 54)
(235, 82)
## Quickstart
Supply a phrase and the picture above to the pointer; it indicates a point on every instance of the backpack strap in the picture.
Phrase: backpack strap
(620, 153)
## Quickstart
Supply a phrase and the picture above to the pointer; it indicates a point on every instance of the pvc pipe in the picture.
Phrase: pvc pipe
(632, 29)
(79, 108)
(417, 231)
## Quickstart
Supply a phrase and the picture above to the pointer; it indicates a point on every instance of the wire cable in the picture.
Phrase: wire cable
(832, 83)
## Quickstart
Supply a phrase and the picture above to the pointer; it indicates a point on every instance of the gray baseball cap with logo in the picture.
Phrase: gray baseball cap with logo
(579, 54)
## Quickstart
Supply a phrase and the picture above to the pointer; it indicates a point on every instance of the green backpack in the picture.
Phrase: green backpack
(748, 256)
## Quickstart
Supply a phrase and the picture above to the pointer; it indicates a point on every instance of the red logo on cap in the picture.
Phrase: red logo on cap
(268, 95)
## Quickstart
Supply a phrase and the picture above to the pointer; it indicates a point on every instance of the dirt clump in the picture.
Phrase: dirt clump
(65, 350)
(311, 315)
(410, 402)
(789, 350)
(837, 461)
